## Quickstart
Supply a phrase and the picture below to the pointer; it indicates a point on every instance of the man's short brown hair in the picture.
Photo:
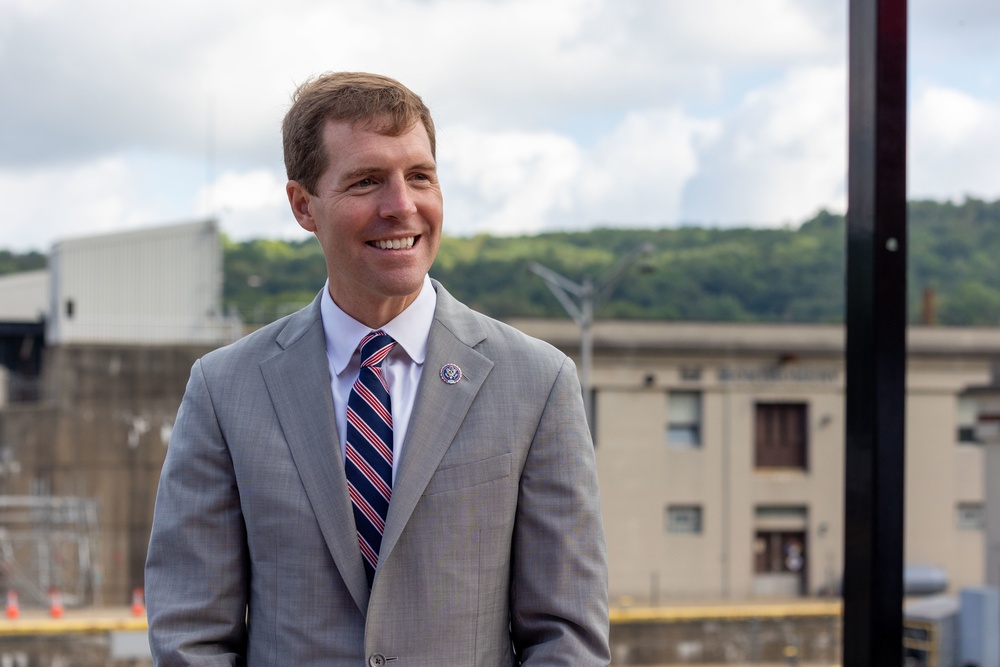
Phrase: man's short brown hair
(354, 97)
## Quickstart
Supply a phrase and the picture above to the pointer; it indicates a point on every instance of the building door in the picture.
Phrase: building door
(780, 563)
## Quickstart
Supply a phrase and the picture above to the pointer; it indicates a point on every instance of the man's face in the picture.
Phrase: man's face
(377, 213)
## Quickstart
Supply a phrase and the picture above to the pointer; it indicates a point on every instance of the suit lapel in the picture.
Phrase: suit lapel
(439, 410)
(299, 384)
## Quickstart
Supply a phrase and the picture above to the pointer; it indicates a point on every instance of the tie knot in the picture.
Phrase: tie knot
(375, 347)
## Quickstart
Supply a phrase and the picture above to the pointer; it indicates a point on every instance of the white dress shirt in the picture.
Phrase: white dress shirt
(402, 368)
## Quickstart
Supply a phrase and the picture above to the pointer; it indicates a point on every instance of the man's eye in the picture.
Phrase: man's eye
(364, 183)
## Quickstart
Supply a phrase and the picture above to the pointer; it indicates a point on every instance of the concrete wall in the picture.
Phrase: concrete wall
(101, 432)
(710, 641)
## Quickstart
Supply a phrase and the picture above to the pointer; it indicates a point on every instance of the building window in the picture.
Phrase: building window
(684, 418)
(971, 516)
(684, 519)
(967, 413)
(781, 435)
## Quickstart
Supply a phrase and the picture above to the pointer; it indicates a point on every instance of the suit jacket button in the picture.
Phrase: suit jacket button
(376, 660)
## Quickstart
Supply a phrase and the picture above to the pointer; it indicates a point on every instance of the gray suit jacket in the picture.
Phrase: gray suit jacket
(493, 553)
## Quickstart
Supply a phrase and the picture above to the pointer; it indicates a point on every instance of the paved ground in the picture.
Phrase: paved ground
(678, 623)
(87, 620)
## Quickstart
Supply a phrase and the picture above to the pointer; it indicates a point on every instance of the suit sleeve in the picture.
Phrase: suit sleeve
(197, 565)
(559, 589)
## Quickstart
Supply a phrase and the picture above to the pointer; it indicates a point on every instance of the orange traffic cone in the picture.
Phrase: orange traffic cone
(55, 604)
(138, 602)
(13, 606)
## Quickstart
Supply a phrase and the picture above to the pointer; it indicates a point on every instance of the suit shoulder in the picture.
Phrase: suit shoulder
(517, 345)
(497, 340)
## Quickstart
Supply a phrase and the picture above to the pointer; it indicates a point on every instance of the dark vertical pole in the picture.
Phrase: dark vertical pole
(876, 334)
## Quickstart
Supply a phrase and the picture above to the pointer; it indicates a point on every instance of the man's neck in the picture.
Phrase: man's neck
(376, 312)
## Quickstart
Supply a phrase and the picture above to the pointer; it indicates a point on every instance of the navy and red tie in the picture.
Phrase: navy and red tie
(369, 448)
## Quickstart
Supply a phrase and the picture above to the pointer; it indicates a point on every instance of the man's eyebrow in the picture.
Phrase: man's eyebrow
(361, 172)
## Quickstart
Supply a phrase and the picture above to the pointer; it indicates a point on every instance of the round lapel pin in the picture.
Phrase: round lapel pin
(451, 374)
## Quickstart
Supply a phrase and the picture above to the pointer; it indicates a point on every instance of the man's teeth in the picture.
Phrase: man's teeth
(395, 244)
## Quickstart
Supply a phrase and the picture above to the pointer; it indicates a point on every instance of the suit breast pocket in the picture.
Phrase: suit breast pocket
(469, 475)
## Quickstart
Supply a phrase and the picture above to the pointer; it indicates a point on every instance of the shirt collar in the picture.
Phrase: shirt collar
(409, 329)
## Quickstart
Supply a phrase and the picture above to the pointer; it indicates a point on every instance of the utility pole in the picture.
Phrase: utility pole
(582, 301)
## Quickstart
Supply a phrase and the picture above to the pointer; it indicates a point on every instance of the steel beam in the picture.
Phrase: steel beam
(876, 334)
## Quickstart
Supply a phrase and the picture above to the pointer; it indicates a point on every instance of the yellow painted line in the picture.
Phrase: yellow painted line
(43, 625)
(61, 626)
(724, 612)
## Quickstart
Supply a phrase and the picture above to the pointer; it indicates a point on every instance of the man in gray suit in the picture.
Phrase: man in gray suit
(482, 544)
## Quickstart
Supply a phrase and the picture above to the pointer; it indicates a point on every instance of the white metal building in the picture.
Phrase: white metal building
(24, 297)
(151, 286)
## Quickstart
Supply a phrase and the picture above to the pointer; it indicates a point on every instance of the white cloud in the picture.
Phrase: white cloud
(251, 204)
(781, 156)
(523, 182)
(723, 32)
(247, 191)
(954, 143)
(505, 183)
(68, 201)
(267, 222)
(98, 77)
(637, 174)
(552, 113)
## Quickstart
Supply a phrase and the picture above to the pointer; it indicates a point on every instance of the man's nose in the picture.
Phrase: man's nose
(397, 202)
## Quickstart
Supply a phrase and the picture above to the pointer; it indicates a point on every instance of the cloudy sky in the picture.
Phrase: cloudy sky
(552, 114)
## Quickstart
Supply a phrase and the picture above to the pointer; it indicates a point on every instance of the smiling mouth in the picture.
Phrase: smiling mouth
(394, 244)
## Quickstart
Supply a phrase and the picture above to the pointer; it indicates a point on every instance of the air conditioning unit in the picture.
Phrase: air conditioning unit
(979, 627)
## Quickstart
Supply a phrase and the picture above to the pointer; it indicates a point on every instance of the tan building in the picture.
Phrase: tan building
(720, 451)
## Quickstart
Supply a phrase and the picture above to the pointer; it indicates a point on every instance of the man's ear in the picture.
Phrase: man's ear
(301, 202)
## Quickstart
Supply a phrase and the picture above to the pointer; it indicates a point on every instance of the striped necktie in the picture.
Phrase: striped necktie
(369, 448)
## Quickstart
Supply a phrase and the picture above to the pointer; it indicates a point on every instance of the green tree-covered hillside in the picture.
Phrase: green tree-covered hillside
(694, 273)
(12, 262)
